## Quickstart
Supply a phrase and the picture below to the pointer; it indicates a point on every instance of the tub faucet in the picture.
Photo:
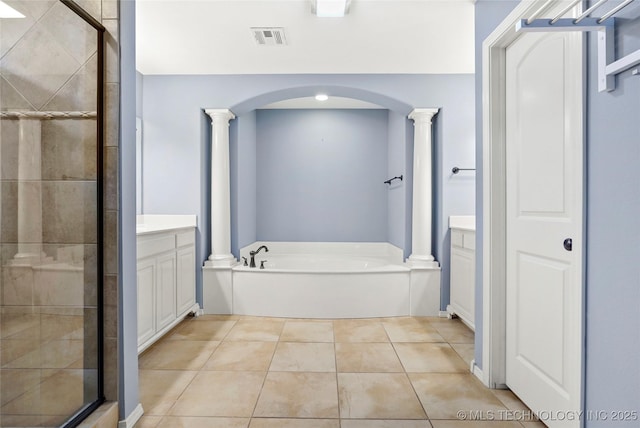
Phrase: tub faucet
(252, 254)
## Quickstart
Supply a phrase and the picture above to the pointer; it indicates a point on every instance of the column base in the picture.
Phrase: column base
(226, 260)
(420, 261)
(217, 289)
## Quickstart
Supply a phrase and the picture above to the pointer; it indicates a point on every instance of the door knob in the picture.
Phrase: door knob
(568, 244)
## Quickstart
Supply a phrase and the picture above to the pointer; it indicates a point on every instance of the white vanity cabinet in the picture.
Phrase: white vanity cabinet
(166, 282)
(462, 271)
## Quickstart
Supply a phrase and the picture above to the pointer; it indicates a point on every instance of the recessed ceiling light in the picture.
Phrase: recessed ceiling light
(7, 11)
(322, 97)
(330, 8)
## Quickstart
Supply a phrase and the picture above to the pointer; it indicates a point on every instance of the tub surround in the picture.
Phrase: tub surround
(323, 280)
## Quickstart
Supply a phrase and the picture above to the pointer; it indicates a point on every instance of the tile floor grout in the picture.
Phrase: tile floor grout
(276, 332)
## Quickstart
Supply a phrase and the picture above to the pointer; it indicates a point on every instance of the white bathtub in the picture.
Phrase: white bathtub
(323, 280)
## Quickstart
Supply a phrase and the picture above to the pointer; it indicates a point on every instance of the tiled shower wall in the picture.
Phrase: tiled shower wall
(50, 333)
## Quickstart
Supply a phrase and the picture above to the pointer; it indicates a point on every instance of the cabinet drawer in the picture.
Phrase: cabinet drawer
(151, 246)
(457, 238)
(185, 238)
(469, 240)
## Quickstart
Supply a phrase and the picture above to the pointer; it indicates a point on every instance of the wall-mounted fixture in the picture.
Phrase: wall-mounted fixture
(330, 8)
(7, 11)
(608, 66)
(391, 179)
(456, 170)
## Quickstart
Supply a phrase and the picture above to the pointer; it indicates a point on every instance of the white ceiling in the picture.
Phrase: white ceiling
(377, 36)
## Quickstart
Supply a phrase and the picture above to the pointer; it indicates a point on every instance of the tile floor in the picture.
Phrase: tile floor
(250, 372)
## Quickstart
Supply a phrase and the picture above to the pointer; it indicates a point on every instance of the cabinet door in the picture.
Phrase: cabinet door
(166, 291)
(146, 300)
(186, 287)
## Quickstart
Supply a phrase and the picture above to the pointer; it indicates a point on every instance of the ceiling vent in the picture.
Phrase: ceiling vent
(269, 36)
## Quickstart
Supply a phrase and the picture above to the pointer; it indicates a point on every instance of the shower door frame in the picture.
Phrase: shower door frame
(82, 414)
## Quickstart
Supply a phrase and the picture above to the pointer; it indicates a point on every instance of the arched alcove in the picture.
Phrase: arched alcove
(390, 204)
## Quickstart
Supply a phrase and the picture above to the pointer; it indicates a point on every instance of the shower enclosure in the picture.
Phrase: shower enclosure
(51, 83)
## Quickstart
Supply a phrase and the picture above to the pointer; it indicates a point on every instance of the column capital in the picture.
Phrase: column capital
(220, 113)
(423, 114)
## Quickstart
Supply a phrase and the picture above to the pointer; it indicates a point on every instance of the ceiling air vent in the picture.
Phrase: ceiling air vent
(269, 36)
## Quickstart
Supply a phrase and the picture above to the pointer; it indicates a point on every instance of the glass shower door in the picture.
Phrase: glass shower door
(50, 214)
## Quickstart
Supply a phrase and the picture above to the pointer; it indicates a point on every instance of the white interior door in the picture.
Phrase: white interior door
(544, 211)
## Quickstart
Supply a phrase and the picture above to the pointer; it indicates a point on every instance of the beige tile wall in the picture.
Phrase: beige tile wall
(48, 61)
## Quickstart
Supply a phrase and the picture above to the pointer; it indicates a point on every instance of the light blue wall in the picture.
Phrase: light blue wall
(243, 162)
(613, 237)
(128, 300)
(320, 175)
(398, 220)
(612, 279)
(177, 135)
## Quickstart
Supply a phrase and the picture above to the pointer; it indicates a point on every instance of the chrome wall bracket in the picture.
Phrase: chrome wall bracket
(608, 66)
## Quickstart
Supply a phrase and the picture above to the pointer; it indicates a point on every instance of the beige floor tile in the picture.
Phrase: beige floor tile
(359, 331)
(411, 330)
(509, 399)
(465, 350)
(198, 329)
(213, 393)
(520, 411)
(294, 423)
(430, 358)
(148, 421)
(386, 423)
(177, 355)
(307, 331)
(454, 331)
(474, 424)
(533, 425)
(298, 395)
(377, 396)
(304, 357)
(256, 329)
(202, 422)
(159, 389)
(443, 395)
(236, 356)
(367, 358)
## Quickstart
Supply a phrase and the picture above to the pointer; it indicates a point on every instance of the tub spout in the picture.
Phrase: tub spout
(252, 254)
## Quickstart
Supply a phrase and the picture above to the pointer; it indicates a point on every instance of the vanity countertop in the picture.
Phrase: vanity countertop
(146, 224)
(463, 222)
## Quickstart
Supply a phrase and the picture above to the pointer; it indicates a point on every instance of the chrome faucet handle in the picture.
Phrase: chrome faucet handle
(245, 261)
(262, 264)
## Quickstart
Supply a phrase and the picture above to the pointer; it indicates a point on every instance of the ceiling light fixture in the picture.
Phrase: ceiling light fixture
(330, 8)
(322, 97)
(7, 11)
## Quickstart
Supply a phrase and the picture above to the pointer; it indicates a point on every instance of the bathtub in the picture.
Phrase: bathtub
(323, 280)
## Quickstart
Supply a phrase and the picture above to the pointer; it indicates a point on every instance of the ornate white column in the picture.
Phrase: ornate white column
(29, 191)
(220, 189)
(421, 254)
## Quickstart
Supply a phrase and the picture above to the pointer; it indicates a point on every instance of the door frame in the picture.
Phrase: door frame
(494, 47)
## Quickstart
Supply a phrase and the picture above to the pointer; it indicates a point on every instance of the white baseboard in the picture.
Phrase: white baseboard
(132, 418)
(443, 314)
(477, 372)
